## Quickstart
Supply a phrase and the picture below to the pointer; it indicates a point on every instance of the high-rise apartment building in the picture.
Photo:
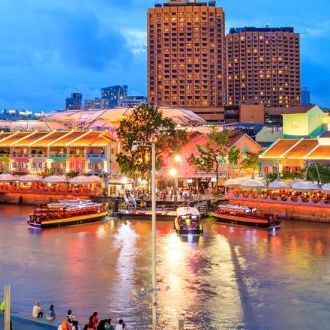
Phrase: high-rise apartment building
(74, 102)
(113, 94)
(186, 56)
(263, 66)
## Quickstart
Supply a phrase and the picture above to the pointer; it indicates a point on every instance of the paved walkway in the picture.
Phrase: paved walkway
(26, 324)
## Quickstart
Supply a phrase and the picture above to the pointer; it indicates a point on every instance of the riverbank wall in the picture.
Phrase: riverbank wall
(35, 199)
(20, 323)
(289, 211)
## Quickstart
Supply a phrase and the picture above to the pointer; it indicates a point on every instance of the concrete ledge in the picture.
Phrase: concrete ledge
(20, 323)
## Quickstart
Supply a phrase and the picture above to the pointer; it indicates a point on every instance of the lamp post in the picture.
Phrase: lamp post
(152, 144)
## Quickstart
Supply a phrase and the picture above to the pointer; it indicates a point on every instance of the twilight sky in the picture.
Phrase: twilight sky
(50, 48)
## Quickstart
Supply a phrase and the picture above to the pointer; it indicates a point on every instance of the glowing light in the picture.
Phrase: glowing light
(124, 180)
(173, 172)
(178, 158)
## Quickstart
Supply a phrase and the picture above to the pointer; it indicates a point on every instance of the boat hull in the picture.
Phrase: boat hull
(76, 220)
(246, 221)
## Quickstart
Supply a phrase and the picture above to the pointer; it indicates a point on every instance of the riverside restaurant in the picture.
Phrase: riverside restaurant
(298, 192)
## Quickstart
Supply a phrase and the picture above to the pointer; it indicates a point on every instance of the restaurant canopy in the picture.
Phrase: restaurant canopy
(326, 188)
(30, 178)
(278, 184)
(7, 177)
(83, 179)
(55, 179)
(253, 183)
(301, 185)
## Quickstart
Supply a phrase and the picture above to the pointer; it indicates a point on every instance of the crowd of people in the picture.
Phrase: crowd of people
(70, 322)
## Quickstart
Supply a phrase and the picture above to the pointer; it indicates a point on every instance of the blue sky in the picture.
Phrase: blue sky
(50, 48)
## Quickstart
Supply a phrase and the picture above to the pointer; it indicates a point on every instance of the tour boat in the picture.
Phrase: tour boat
(244, 215)
(187, 221)
(67, 212)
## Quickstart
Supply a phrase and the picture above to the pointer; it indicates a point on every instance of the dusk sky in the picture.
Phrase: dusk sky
(50, 48)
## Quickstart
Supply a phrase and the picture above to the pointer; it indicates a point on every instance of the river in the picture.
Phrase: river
(230, 278)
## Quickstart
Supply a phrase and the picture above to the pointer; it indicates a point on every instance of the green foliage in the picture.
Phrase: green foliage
(215, 153)
(324, 173)
(141, 125)
(250, 162)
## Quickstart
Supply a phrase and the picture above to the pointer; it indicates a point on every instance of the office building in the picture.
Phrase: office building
(96, 104)
(305, 96)
(186, 56)
(113, 94)
(263, 66)
(74, 102)
(132, 101)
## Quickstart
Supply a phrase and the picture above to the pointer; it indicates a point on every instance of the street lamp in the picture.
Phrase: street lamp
(152, 144)
(174, 173)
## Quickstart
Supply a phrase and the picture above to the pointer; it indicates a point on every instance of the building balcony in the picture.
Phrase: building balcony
(58, 158)
(20, 158)
(39, 156)
(77, 156)
(4, 157)
(96, 158)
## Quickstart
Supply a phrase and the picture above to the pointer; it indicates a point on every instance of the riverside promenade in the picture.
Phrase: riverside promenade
(28, 324)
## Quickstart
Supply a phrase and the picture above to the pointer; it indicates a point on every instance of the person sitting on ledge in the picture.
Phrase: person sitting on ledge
(65, 325)
(51, 314)
(37, 311)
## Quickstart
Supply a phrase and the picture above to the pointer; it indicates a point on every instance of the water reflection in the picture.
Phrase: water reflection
(203, 278)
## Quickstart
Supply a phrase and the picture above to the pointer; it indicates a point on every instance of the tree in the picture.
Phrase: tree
(251, 162)
(141, 125)
(215, 153)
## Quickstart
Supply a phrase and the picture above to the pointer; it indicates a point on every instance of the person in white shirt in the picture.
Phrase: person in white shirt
(37, 311)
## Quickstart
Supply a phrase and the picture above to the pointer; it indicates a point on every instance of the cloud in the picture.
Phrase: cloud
(136, 40)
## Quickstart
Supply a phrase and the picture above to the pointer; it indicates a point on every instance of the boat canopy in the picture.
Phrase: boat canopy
(235, 207)
(55, 179)
(7, 177)
(180, 211)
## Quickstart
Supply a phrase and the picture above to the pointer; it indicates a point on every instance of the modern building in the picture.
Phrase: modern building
(306, 137)
(132, 101)
(74, 102)
(97, 104)
(113, 94)
(305, 96)
(186, 57)
(263, 66)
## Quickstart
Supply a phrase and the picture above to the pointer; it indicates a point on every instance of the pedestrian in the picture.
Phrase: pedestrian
(89, 326)
(51, 314)
(105, 325)
(72, 320)
(119, 325)
(94, 320)
(65, 325)
(37, 311)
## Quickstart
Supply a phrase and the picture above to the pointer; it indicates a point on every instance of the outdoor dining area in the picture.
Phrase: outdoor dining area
(55, 185)
(297, 192)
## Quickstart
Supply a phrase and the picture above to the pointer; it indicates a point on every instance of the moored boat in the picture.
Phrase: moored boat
(187, 221)
(244, 215)
(67, 212)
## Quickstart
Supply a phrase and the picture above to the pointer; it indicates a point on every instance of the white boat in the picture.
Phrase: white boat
(187, 220)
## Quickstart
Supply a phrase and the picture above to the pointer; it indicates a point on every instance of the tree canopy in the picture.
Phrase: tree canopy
(142, 125)
(215, 153)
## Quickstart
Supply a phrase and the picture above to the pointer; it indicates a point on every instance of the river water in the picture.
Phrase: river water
(230, 278)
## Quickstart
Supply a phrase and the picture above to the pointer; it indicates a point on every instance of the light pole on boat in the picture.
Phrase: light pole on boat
(152, 144)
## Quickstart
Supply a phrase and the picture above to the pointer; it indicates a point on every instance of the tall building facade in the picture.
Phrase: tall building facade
(113, 94)
(74, 102)
(186, 56)
(263, 66)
